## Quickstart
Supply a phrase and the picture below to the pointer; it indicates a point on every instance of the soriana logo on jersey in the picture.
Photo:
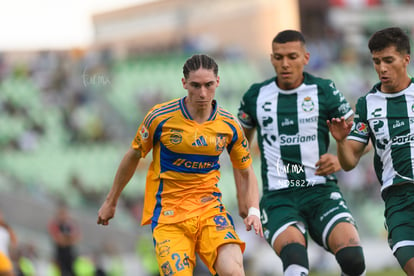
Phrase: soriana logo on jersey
(144, 132)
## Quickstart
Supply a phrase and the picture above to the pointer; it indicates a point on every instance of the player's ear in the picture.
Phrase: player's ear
(307, 56)
(217, 81)
(407, 58)
(184, 82)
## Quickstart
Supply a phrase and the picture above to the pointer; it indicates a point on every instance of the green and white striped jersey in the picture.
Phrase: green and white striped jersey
(388, 119)
(292, 130)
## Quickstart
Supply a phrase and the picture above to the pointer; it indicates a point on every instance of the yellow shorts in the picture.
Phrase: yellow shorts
(176, 244)
(5, 263)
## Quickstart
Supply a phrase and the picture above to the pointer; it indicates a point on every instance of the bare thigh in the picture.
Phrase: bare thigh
(229, 260)
(409, 267)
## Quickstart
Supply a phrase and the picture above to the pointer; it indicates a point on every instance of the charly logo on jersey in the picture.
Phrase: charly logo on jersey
(267, 107)
(377, 112)
(307, 104)
(144, 132)
(176, 136)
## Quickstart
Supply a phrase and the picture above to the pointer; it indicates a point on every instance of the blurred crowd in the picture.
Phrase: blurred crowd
(60, 80)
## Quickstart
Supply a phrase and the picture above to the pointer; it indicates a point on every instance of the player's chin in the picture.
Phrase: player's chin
(203, 105)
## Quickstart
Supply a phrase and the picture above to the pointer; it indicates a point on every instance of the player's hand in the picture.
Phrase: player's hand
(105, 213)
(339, 128)
(327, 164)
(253, 222)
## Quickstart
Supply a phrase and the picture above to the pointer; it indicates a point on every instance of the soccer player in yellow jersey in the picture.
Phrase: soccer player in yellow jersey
(8, 244)
(182, 199)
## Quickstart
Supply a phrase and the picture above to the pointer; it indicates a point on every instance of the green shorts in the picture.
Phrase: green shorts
(399, 215)
(316, 209)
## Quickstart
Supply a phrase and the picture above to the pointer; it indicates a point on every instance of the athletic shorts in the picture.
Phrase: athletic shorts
(5, 263)
(399, 215)
(316, 209)
(176, 244)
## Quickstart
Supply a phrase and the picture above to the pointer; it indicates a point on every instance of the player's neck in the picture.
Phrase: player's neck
(200, 115)
(402, 84)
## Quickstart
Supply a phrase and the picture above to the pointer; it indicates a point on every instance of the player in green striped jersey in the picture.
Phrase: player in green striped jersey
(386, 117)
(300, 193)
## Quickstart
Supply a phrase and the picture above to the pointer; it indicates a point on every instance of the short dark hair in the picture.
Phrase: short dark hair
(198, 61)
(393, 36)
(289, 36)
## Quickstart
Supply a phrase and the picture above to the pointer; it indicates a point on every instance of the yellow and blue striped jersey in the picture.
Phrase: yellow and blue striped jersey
(184, 172)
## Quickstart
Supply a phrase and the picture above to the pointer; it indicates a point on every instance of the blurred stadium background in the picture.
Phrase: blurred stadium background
(69, 109)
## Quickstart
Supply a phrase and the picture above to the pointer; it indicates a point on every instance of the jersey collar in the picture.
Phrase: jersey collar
(187, 115)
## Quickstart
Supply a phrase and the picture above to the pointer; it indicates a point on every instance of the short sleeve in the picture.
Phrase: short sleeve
(238, 148)
(337, 103)
(360, 129)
